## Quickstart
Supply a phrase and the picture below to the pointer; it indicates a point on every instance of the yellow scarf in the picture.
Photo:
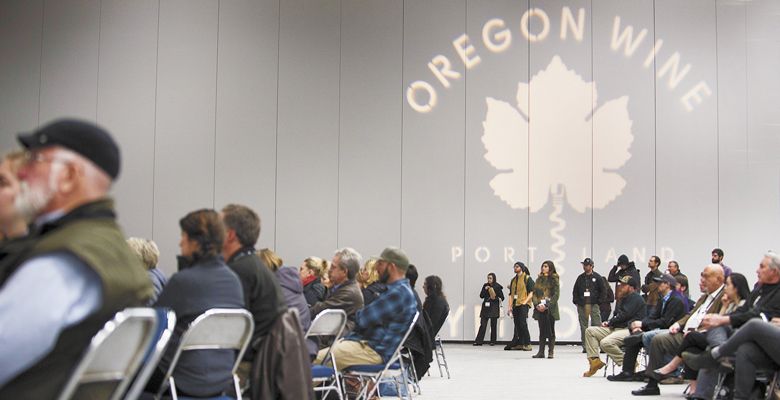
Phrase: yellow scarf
(518, 290)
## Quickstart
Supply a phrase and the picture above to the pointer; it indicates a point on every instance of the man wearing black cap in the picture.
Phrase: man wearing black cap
(521, 293)
(610, 335)
(669, 310)
(587, 294)
(75, 270)
(622, 268)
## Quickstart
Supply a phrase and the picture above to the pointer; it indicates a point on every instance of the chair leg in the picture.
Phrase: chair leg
(443, 357)
(415, 381)
(719, 385)
(436, 353)
(770, 389)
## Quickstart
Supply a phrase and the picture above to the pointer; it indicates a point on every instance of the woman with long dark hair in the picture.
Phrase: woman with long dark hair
(435, 304)
(546, 292)
(492, 294)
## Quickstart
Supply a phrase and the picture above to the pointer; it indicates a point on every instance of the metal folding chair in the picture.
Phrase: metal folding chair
(438, 351)
(329, 323)
(163, 333)
(218, 328)
(378, 372)
(113, 356)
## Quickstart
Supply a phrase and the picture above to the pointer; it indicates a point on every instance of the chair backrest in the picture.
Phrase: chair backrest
(217, 328)
(114, 355)
(155, 351)
(328, 323)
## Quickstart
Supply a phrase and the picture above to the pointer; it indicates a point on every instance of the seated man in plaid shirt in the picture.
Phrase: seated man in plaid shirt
(380, 326)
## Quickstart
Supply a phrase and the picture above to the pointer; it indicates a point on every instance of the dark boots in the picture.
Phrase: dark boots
(551, 348)
(540, 353)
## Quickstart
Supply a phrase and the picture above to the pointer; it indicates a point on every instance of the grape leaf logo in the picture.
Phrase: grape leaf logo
(546, 145)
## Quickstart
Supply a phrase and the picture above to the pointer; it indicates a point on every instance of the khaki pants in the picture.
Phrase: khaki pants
(608, 339)
(349, 352)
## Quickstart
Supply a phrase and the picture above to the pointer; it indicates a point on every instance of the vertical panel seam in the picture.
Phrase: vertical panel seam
(338, 137)
(154, 134)
(40, 61)
(465, 161)
(216, 108)
(401, 147)
(97, 74)
(747, 99)
(717, 128)
(655, 136)
(276, 139)
(528, 146)
(592, 131)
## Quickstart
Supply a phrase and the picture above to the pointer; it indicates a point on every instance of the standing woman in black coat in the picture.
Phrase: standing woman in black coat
(492, 294)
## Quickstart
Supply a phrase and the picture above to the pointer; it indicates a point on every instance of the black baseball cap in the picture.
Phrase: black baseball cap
(587, 261)
(666, 278)
(85, 138)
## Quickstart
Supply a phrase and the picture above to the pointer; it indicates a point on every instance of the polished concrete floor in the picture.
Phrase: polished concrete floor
(490, 373)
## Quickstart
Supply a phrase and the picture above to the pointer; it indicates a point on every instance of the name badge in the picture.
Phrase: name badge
(487, 304)
(587, 293)
(515, 297)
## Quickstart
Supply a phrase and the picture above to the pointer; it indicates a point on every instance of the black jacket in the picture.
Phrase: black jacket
(630, 308)
(664, 318)
(591, 283)
(764, 299)
(262, 293)
(616, 273)
(314, 292)
(437, 309)
(491, 308)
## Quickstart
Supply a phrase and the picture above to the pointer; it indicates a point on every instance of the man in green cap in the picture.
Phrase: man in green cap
(381, 325)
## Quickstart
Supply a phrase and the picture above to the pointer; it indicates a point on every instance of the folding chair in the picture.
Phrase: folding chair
(328, 323)
(113, 356)
(217, 328)
(407, 354)
(377, 372)
(163, 333)
(438, 350)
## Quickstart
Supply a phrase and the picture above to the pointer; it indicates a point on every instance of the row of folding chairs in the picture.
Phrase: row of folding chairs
(123, 355)
(328, 380)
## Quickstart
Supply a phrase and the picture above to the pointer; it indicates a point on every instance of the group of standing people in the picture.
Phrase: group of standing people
(524, 294)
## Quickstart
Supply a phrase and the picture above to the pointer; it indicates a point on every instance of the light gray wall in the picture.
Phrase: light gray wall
(298, 108)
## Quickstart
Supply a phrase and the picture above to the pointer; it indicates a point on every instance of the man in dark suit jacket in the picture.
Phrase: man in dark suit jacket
(669, 309)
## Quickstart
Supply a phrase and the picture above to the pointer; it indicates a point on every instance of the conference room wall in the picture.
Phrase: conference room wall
(299, 109)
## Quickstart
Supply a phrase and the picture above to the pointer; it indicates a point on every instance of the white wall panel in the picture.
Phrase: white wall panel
(433, 153)
(369, 209)
(126, 104)
(186, 91)
(496, 233)
(245, 165)
(20, 67)
(69, 59)
(624, 135)
(686, 141)
(308, 152)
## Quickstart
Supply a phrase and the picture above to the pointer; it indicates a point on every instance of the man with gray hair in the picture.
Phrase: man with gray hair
(74, 270)
(345, 294)
(382, 324)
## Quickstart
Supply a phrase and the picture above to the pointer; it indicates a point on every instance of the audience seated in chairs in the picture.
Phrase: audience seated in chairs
(368, 278)
(77, 245)
(666, 344)
(312, 271)
(202, 283)
(380, 326)
(702, 382)
(149, 254)
(668, 310)
(344, 293)
(262, 294)
(609, 336)
(753, 344)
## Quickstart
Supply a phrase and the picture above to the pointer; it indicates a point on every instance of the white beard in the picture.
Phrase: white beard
(31, 201)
